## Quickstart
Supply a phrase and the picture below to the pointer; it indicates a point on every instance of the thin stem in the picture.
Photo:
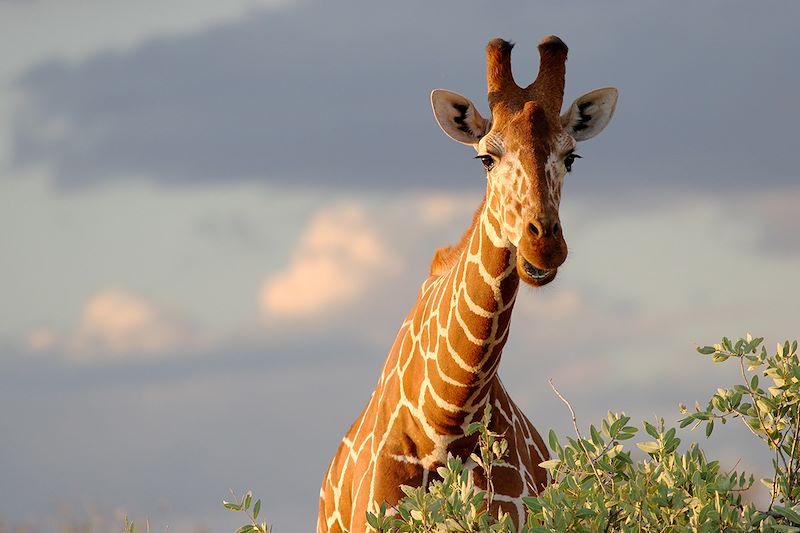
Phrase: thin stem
(755, 405)
(793, 456)
(764, 426)
(578, 433)
(758, 410)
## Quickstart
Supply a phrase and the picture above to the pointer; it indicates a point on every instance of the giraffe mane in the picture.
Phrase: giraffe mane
(445, 257)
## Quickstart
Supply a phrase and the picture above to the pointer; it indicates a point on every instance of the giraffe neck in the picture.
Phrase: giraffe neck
(463, 319)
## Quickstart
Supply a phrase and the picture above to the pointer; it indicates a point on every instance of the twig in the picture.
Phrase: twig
(793, 455)
(776, 445)
(578, 433)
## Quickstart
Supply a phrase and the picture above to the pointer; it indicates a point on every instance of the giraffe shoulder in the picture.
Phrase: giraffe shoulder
(446, 257)
(443, 260)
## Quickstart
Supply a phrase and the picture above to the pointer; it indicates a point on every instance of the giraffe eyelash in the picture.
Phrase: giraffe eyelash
(570, 159)
(487, 160)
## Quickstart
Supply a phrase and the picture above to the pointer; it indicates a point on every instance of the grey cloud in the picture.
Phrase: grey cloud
(170, 438)
(782, 240)
(778, 226)
(178, 433)
(287, 96)
(335, 95)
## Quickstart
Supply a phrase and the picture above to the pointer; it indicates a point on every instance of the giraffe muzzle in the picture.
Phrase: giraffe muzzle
(535, 273)
(541, 251)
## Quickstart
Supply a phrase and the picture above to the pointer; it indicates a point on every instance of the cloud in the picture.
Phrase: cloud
(775, 214)
(40, 339)
(604, 348)
(438, 209)
(338, 258)
(116, 324)
(229, 103)
(334, 95)
(249, 100)
(78, 30)
(551, 305)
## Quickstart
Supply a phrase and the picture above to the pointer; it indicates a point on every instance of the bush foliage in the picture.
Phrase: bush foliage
(596, 484)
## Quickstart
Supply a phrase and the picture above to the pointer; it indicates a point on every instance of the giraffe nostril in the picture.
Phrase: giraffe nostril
(544, 229)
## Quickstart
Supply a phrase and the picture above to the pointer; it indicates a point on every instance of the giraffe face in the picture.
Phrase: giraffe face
(526, 150)
(526, 157)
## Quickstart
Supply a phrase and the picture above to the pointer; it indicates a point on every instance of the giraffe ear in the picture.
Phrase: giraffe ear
(457, 117)
(590, 114)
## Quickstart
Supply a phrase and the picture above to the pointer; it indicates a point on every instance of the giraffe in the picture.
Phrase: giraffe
(442, 368)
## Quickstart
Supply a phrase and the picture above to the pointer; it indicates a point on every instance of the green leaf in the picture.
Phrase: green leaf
(651, 430)
(372, 520)
(787, 513)
(552, 464)
(736, 399)
(726, 344)
(231, 506)
(256, 509)
(551, 436)
(532, 503)
(404, 513)
(408, 491)
(783, 529)
(596, 439)
(474, 428)
(706, 350)
(248, 499)
(648, 447)
(249, 528)
(588, 445)
(626, 433)
(615, 425)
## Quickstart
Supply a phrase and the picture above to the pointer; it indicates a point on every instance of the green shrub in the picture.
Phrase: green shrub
(244, 507)
(597, 486)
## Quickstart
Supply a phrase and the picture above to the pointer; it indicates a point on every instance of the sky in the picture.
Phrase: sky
(215, 215)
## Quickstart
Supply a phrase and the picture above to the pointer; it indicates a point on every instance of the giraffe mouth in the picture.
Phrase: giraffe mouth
(537, 276)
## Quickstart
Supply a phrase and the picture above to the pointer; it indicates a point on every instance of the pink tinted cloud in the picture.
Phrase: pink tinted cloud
(339, 257)
(116, 324)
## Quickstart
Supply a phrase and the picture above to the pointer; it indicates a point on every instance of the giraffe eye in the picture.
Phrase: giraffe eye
(487, 160)
(571, 157)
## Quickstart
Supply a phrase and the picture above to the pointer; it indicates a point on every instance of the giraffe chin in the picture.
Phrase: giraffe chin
(534, 276)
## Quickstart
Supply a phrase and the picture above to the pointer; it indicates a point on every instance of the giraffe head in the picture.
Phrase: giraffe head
(526, 147)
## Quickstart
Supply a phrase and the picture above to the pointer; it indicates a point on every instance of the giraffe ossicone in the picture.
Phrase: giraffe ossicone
(442, 368)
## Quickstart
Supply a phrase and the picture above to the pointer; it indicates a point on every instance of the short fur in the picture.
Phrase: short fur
(441, 371)
(445, 257)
